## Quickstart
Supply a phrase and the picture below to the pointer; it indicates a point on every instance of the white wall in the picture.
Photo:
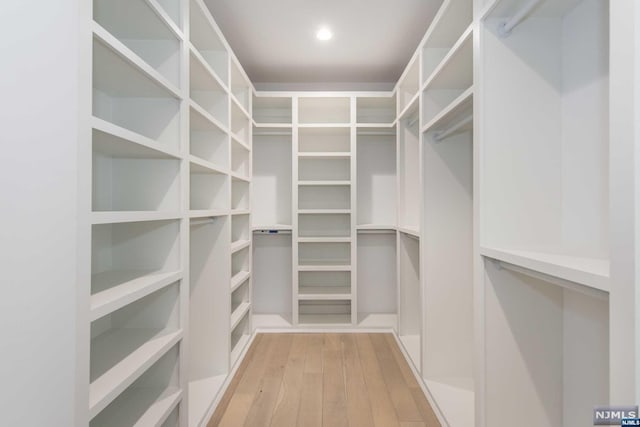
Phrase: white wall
(39, 121)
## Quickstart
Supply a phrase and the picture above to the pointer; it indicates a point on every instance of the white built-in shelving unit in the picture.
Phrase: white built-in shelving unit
(481, 210)
(170, 301)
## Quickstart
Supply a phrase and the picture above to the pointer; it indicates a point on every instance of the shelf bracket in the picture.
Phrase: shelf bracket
(505, 27)
(563, 283)
(440, 135)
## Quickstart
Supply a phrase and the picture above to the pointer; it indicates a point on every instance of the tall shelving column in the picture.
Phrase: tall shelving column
(544, 237)
(272, 216)
(209, 204)
(324, 258)
(138, 277)
(448, 211)
(376, 209)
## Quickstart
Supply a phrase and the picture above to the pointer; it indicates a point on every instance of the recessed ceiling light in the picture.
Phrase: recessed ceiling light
(324, 34)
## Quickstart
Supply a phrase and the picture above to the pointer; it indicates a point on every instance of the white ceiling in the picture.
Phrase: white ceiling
(275, 40)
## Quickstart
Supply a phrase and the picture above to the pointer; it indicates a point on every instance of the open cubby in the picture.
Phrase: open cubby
(544, 345)
(208, 141)
(324, 253)
(324, 225)
(137, 25)
(129, 182)
(376, 109)
(409, 179)
(240, 297)
(173, 8)
(377, 274)
(240, 125)
(209, 191)
(240, 160)
(324, 110)
(121, 252)
(239, 194)
(450, 80)
(240, 229)
(272, 179)
(324, 312)
(124, 96)
(121, 342)
(206, 91)
(173, 419)
(376, 178)
(410, 308)
(324, 169)
(240, 86)
(272, 109)
(324, 283)
(272, 279)
(454, 18)
(208, 362)
(208, 41)
(324, 140)
(240, 261)
(409, 85)
(557, 121)
(324, 197)
(149, 399)
(239, 338)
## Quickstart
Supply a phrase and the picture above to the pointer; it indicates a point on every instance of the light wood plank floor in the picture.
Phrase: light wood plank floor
(330, 380)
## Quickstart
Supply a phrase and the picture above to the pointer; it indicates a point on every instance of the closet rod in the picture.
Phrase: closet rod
(505, 27)
(563, 283)
(439, 136)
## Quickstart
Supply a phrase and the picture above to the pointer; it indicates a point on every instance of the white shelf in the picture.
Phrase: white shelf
(374, 227)
(278, 227)
(589, 272)
(119, 142)
(461, 106)
(239, 347)
(455, 399)
(323, 183)
(114, 289)
(323, 267)
(378, 320)
(323, 211)
(205, 67)
(239, 245)
(324, 125)
(271, 321)
(324, 239)
(240, 106)
(272, 125)
(134, 60)
(240, 212)
(324, 319)
(240, 142)
(324, 293)
(208, 116)
(456, 68)
(104, 389)
(202, 393)
(239, 177)
(239, 279)
(410, 109)
(239, 313)
(324, 155)
(197, 165)
(409, 231)
(131, 216)
(207, 213)
(159, 404)
(411, 344)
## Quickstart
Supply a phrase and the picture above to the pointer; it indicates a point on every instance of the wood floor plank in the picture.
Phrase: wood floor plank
(425, 408)
(401, 396)
(334, 399)
(287, 405)
(267, 395)
(384, 414)
(313, 360)
(310, 412)
(243, 397)
(233, 385)
(358, 406)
